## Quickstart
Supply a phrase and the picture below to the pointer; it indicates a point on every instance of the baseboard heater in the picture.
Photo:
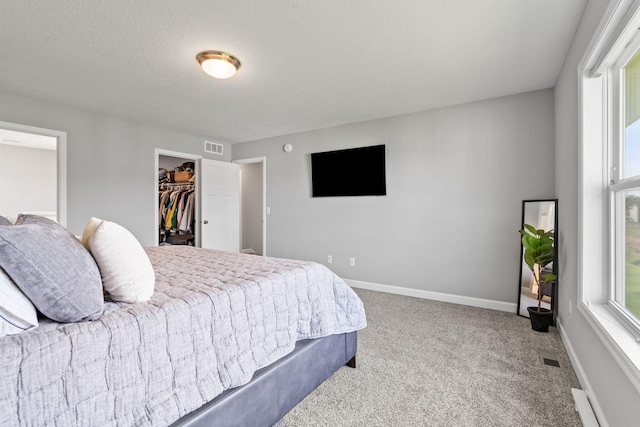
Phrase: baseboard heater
(584, 409)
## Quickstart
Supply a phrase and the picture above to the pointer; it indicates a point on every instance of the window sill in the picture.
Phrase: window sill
(618, 340)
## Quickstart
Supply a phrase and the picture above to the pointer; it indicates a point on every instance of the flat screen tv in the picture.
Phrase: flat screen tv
(351, 172)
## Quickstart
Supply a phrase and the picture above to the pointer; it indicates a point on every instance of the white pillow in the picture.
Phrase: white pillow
(127, 273)
(17, 313)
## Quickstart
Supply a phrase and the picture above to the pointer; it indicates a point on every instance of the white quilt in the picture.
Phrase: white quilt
(215, 318)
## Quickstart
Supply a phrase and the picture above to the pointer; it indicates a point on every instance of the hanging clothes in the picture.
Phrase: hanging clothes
(176, 207)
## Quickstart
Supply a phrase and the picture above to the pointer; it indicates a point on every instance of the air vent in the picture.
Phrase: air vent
(213, 147)
(549, 358)
(551, 362)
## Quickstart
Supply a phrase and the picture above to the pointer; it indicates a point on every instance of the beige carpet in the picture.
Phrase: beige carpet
(427, 363)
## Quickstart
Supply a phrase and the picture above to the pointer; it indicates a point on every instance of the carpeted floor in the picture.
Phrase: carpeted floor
(428, 363)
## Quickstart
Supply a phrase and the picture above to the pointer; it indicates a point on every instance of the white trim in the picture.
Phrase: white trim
(605, 47)
(592, 190)
(62, 178)
(170, 153)
(162, 152)
(593, 207)
(615, 338)
(61, 151)
(262, 160)
(250, 160)
(582, 375)
(583, 408)
(436, 296)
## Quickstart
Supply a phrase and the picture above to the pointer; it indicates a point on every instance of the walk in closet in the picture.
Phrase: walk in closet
(176, 201)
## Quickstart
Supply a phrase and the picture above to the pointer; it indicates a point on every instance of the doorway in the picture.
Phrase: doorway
(215, 190)
(33, 171)
(177, 202)
(253, 221)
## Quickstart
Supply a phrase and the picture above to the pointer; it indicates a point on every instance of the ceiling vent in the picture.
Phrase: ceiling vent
(213, 147)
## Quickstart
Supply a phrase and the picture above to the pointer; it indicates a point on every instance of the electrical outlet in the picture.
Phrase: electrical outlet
(329, 259)
(352, 262)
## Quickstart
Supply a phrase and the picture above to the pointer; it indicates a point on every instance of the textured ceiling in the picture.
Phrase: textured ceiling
(305, 64)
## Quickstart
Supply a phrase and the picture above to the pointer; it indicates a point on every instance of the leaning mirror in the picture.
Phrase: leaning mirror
(541, 214)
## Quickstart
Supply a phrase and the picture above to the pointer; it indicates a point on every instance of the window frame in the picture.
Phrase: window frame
(596, 240)
(614, 84)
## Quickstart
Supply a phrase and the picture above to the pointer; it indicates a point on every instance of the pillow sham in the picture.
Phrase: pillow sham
(17, 313)
(5, 221)
(127, 273)
(52, 268)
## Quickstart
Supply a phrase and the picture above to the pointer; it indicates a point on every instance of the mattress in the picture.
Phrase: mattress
(215, 318)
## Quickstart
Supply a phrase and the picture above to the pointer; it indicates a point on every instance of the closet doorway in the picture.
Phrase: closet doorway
(33, 172)
(253, 205)
(177, 201)
(213, 189)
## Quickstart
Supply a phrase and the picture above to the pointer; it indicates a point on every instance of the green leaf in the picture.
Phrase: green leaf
(545, 247)
(545, 256)
(529, 259)
(531, 229)
(547, 236)
(525, 243)
(543, 261)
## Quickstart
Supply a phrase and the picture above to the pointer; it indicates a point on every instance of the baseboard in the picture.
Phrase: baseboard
(585, 411)
(437, 296)
(582, 376)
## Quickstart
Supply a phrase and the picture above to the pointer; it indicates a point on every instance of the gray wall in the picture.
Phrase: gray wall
(456, 178)
(615, 393)
(110, 162)
(28, 179)
(252, 206)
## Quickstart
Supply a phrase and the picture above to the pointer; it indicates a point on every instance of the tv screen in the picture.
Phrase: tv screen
(351, 172)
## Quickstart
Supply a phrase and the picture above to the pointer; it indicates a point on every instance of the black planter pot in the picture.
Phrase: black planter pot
(540, 320)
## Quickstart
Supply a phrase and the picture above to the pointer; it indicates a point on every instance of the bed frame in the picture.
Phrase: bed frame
(275, 389)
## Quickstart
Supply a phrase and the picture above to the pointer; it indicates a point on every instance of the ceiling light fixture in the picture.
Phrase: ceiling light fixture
(220, 65)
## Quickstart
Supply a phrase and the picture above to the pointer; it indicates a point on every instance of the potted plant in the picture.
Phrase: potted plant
(539, 251)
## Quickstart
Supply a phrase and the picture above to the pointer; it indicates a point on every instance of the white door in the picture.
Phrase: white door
(220, 205)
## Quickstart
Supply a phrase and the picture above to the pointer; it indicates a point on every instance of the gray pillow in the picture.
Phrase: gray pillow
(36, 219)
(5, 221)
(52, 268)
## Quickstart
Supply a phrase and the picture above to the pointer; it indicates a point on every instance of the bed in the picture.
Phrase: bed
(226, 339)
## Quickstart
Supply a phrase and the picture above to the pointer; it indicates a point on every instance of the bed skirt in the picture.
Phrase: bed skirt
(275, 389)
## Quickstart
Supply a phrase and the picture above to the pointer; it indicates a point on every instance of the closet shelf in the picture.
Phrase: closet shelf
(176, 185)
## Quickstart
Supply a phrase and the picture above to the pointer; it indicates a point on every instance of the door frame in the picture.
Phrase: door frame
(61, 153)
(196, 158)
(262, 160)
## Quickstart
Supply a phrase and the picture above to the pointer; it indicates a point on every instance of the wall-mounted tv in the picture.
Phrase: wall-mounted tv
(351, 172)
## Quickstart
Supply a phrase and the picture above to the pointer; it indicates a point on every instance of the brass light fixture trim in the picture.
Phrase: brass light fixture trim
(216, 63)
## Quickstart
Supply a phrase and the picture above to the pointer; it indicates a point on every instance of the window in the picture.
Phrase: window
(609, 204)
(624, 185)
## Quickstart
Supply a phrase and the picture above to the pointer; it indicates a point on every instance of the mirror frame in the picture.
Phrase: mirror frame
(554, 288)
